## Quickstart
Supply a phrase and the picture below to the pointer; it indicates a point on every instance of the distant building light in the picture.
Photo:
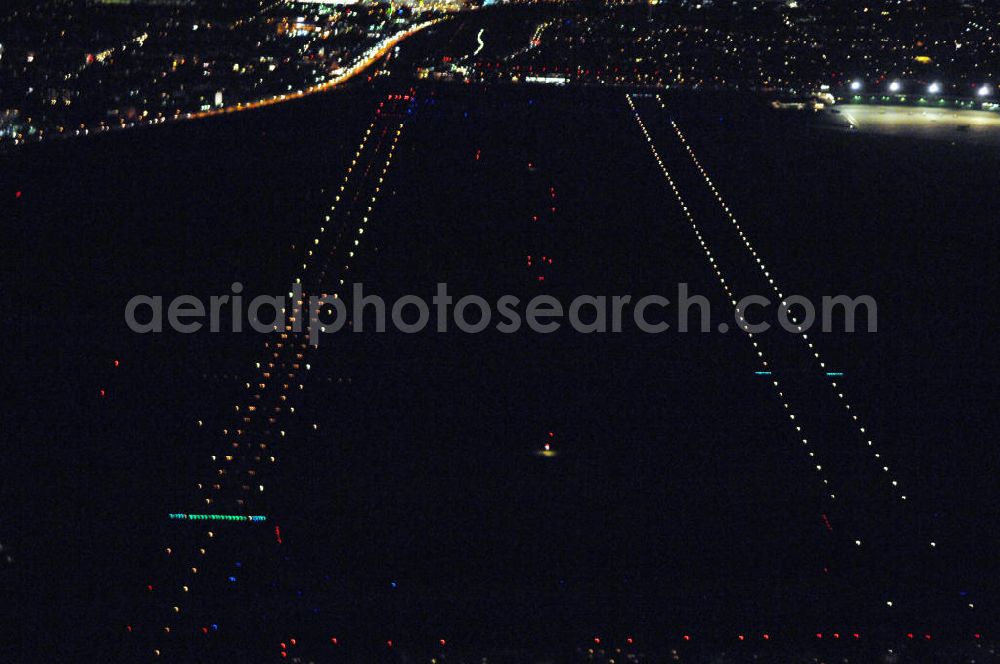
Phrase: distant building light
(551, 80)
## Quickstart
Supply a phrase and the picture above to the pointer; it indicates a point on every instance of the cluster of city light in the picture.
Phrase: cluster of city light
(534, 42)
(663, 50)
(365, 60)
(341, 76)
(795, 422)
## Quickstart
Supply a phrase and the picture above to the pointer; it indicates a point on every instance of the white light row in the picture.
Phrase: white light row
(813, 460)
(876, 454)
(264, 368)
(798, 429)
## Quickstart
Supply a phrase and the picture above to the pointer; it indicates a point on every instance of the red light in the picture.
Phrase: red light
(284, 654)
(767, 637)
(292, 641)
(442, 641)
(204, 630)
(17, 194)
(856, 635)
(741, 637)
(128, 627)
(687, 637)
(909, 635)
(150, 587)
(117, 363)
(629, 640)
(819, 635)
(597, 640)
(836, 635)
(388, 643)
(283, 646)
(103, 394)
(333, 640)
(976, 635)
(927, 636)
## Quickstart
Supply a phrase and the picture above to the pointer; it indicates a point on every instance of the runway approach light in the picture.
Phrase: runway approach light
(547, 450)
(984, 91)
(895, 86)
(856, 85)
(934, 88)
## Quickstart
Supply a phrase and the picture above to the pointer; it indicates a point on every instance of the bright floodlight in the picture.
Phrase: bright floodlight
(934, 88)
(895, 86)
(983, 91)
(855, 85)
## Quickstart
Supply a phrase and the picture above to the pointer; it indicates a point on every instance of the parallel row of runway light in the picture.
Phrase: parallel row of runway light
(711, 259)
(876, 454)
(359, 231)
(831, 375)
(265, 368)
(814, 460)
(355, 243)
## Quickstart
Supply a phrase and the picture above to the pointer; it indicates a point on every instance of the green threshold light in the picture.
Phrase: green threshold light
(216, 517)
